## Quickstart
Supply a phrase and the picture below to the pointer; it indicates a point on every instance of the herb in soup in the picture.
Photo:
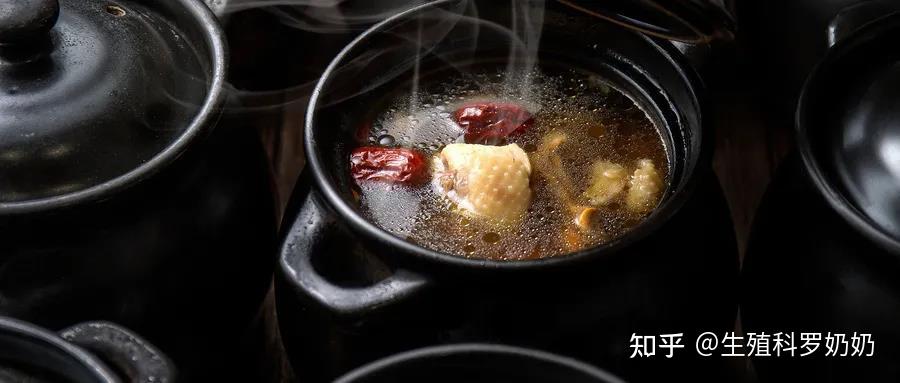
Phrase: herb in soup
(474, 166)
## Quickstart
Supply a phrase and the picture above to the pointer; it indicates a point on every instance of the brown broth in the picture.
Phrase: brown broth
(601, 123)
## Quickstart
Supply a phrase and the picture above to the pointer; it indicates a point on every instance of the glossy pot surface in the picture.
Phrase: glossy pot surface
(91, 352)
(477, 363)
(178, 247)
(808, 270)
(824, 249)
(786, 39)
(350, 293)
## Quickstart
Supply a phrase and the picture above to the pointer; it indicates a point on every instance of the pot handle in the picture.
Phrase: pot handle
(128, 353)
(856, 16)
(315, 226)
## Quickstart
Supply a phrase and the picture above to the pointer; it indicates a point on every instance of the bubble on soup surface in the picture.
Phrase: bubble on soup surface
(386, 140)
(398, 208)
(600, 123)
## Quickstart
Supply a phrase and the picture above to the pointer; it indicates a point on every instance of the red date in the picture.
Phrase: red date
(491, 122)
(395, 165)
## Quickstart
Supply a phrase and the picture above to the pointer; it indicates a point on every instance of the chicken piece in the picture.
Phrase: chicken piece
(608, 180)
(645, 187)
(486, 181)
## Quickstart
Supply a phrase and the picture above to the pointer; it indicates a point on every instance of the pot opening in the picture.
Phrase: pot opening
(477, 363)
(29, 352)
(848, 133)
(115, 10)
(448, 39)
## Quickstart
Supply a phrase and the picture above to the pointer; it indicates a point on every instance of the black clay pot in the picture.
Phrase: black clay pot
(350, 293)
(823, 256)
(477, 363)
(91, 352)
(123, 196)
(787, 39)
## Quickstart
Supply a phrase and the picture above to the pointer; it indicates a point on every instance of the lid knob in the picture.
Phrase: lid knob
(26, 20)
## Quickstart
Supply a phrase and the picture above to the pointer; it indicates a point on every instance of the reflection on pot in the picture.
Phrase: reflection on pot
(822, 257)
(91, 352)
(477, 363)
(350, 292)
(123, 196)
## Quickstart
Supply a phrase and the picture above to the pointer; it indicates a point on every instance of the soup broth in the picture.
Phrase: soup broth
(588, 164)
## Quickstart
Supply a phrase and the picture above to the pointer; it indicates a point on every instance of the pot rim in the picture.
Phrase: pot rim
(34, 334)
(479, 348)
(209, 111)
(834, 197)
(662, 214)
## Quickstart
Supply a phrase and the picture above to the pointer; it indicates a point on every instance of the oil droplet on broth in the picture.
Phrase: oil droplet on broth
(601, 123)
(491, 237)
(596, 130)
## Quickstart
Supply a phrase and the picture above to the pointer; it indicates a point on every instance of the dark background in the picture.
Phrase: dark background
(751, 135)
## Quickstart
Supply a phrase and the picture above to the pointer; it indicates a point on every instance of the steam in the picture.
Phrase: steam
(323, 16)
(449, 35)
(527, 25)
(327, 16)
(410, 41)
